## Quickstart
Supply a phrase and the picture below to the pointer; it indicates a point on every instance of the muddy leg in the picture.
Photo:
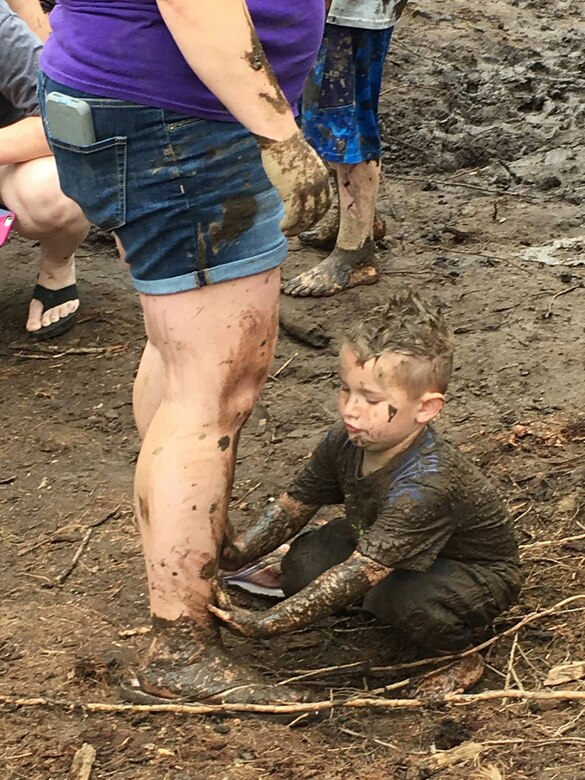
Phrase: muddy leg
(215, 345)
(353, 261)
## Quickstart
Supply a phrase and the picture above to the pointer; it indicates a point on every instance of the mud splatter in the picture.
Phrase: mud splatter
(392, 411)
(238, 216)
(143, 510)
(224, 443)
(208, 568)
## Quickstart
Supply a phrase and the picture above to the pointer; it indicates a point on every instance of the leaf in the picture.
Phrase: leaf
(564, 673)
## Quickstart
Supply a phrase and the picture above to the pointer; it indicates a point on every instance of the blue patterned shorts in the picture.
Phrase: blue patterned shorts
(340, 102)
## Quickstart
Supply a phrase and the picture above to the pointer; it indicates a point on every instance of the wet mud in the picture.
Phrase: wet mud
(482, 105)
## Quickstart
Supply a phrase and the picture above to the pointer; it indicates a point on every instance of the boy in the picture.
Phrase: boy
(340, 120)
(425, 542)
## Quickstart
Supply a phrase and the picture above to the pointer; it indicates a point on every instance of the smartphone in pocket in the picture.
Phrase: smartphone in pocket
(7, 220)
(69, 119)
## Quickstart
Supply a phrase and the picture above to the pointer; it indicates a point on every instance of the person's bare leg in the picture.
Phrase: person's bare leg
(46, 215)
(353, 260)
(215, 345)
(324, 234)
(148, 390)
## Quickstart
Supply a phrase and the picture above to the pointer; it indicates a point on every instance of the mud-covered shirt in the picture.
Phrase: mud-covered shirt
(19, 65)
(431, 501)
(365, 14)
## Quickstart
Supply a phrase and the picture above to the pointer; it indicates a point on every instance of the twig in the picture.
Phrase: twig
(41, 353)
(511, 673)
(549, 542)
(84, 542)
(284, 365)
(357, 703)
(400, 45)
(245, 496)
(377, 741)
(450, 183)
(484, 645)
(548, 312)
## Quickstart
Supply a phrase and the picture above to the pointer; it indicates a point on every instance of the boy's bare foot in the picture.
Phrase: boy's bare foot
(182, 665)
(343, 269)
(324, 234)
(458, 677)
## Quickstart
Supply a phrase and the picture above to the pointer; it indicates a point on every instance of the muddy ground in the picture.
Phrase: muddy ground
(484, 119)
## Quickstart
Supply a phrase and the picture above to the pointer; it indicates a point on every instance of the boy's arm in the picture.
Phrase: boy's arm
(219, 42)
(279, 522)
(336, 588)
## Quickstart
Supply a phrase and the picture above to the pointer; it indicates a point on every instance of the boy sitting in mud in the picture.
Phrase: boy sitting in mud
(425, 545)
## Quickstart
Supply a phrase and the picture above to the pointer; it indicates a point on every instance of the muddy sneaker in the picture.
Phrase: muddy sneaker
(181, 666)
(342, 270)
(458, 677)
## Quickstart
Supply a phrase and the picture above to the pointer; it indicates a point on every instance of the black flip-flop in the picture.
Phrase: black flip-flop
(49, 299)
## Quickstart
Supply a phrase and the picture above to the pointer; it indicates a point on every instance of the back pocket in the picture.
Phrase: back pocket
(94, 176)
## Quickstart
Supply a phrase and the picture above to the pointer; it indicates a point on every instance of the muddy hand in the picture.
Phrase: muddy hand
(301, 178)
(242, 621)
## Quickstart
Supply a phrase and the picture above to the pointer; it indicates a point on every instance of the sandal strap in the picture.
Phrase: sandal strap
(52, 298)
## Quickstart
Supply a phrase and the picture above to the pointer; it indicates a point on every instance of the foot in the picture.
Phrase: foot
(324, 234)
(343, 269)
(53, 304)
(181, 665)
(458, 677)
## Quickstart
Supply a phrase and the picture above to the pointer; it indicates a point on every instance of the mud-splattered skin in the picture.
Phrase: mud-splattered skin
(338, 587)
(300, 177)
(343, 269)
(278, 523)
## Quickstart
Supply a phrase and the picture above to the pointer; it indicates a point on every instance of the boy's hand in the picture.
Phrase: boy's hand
(242, 621)
(298, 173)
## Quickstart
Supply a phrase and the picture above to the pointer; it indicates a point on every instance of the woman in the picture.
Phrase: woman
(194, 142)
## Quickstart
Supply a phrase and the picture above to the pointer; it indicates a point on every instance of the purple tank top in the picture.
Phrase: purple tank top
(122, 49)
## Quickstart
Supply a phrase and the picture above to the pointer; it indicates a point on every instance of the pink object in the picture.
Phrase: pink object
(7, 220)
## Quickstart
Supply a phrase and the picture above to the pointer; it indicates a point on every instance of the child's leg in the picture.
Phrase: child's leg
(340, 119)
(314, 552)
(438, 610)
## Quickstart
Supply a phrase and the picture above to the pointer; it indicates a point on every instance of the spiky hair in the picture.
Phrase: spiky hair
(409, 326)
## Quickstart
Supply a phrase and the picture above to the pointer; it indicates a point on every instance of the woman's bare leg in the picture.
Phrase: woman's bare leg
(215, 346)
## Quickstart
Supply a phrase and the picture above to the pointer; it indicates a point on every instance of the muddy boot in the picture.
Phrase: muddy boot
(343, 269)
(324, 234)
(458, 677)
(182, 664)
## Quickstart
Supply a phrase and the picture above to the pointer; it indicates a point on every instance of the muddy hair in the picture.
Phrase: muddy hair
(407, 326)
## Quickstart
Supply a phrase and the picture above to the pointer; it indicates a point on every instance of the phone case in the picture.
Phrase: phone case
(7, 219)
(69, 119)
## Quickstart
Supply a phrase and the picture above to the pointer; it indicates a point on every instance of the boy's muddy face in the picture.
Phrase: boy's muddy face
(377, 413)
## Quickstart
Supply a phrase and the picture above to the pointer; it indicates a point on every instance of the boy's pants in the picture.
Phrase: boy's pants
(437, 609)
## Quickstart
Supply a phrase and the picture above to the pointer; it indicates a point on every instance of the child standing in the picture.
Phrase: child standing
(425, 541)
(340, 120)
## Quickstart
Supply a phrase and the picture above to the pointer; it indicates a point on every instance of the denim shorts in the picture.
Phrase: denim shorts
(340, 101)
(187, 197)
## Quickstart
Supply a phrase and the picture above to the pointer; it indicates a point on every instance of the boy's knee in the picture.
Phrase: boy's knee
(315, 552)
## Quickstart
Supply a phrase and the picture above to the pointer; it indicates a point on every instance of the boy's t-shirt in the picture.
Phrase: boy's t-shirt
(365, 14)
(430, 502)
(122, 49)
(19, 65)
